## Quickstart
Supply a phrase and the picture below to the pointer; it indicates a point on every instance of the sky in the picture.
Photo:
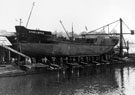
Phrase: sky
(47, 14)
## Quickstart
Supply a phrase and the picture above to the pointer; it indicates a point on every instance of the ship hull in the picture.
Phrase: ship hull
(37, 43)
(64, 49)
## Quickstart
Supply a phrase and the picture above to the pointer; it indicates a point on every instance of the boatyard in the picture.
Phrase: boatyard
(105, 69)
(30, 51)
(65, 66)
(16, 61)
(67, 47)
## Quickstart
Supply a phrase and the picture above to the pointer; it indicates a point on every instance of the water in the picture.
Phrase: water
(101, 80)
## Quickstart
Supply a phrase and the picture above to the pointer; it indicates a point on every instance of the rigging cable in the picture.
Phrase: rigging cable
(104, 26)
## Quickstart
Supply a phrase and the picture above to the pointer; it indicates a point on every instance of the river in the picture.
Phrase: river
(100, 80)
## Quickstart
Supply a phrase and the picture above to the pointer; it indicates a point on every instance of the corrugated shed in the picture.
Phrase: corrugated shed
(5, 41)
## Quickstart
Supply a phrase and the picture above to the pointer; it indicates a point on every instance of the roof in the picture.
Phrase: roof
(5, 41)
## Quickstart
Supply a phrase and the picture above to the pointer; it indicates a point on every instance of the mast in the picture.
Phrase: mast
(121, 36)
(20, 21)
(30, 14)
(72, 33)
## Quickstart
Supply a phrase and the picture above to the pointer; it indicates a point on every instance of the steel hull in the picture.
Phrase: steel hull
(37, 43)
(64, 49)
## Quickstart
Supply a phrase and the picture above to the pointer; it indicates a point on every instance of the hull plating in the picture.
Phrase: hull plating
(63, 49)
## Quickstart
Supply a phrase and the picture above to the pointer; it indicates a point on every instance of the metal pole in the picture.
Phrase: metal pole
(121, 36)
(72, 33)
(20, 21)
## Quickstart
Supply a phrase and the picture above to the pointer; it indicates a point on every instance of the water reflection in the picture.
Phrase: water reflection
(125, 78)
(101, 80)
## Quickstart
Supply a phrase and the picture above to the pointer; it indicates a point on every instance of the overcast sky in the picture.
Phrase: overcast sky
(47, 13)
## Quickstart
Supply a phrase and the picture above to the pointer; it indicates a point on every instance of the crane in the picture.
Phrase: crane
(64, 29)
(30, 14)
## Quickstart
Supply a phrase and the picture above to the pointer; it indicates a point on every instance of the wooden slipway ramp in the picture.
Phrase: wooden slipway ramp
(15, 51)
